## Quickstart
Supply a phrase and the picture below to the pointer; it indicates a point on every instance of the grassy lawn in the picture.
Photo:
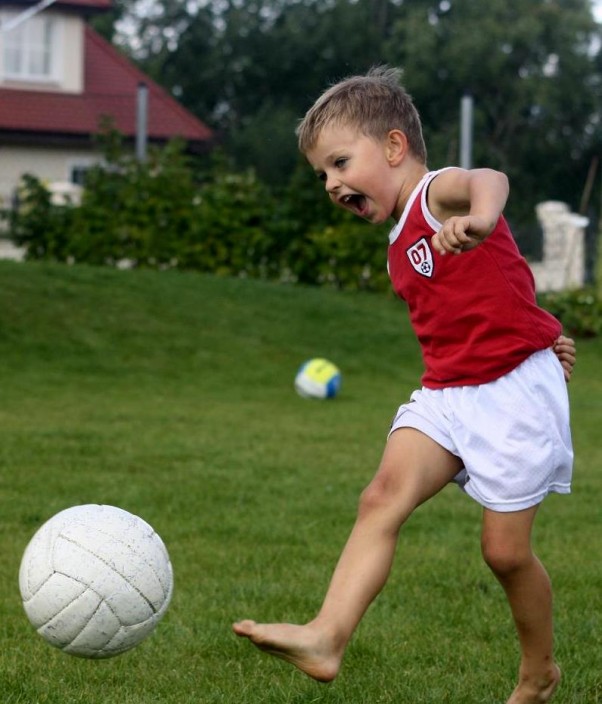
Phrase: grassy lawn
(170, 395)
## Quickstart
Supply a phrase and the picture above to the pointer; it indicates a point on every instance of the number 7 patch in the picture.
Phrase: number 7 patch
(421, 257)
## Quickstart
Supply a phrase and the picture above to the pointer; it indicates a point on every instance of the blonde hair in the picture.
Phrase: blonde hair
(375, 104)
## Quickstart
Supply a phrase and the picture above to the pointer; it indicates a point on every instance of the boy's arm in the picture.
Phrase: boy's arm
(564, 347)
(469, 204)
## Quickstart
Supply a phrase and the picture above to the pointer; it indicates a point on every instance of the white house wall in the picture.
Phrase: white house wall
(47, 164)
(72, 54)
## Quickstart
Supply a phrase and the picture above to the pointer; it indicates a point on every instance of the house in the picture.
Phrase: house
(58, 79)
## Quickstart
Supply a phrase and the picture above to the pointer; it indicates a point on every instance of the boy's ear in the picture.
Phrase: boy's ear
(397, 147)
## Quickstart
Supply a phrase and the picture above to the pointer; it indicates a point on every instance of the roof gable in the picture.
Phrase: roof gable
(110, 89)
(113, 80)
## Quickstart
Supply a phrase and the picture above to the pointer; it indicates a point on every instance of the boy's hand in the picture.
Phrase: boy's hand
(564, 348)
(461, 233)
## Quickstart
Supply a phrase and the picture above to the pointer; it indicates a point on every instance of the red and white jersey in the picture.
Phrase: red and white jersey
(475, 314)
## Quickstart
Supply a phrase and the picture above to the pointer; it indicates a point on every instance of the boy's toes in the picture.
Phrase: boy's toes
(244, 628)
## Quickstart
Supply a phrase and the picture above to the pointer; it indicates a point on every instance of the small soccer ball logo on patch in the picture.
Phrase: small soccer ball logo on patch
(95, 580)
(318, 378)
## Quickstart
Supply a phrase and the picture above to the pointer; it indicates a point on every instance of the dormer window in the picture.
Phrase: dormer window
(30, 50)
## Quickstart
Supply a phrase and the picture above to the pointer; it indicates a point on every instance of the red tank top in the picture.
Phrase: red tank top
(475, 314)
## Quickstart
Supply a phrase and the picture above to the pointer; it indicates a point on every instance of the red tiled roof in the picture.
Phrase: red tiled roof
(110, 88)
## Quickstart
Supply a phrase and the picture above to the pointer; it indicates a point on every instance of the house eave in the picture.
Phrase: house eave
(56, 140)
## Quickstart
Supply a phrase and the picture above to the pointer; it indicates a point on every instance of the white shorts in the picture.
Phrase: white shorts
(512, 434)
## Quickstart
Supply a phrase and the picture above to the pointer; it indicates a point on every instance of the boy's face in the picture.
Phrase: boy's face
(357, 172)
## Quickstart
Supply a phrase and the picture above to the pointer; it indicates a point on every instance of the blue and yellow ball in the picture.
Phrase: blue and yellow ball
(318, 378)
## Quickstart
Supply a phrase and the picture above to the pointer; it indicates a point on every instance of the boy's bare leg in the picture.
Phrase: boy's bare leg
(506, 543)
(413, 469)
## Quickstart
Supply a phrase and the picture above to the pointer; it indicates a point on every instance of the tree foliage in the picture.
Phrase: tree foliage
(251, 68)
(530, 65)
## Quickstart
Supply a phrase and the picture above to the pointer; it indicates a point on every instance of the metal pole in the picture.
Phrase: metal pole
(466, 129)
(141, 121)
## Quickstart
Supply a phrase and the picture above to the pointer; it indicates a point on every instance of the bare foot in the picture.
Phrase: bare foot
(531, 690)
(303, 646)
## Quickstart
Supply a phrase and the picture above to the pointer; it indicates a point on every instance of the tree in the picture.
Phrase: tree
(531, 67)
(251, 68)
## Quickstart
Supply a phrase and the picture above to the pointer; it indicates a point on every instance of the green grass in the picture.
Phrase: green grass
(170, 395)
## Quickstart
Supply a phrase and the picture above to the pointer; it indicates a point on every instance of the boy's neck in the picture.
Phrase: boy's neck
(414, 172)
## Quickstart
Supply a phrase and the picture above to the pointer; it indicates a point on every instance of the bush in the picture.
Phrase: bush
(232, 229)
(351, 255)
(135, 212)
(579, 311)
(38, 224)
(159, 214)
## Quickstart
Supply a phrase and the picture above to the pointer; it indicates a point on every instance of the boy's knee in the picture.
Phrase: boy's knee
(381, 496)
(504, 558)
(376, 496)
(372, 498)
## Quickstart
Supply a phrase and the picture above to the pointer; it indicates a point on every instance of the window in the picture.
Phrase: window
(78, 173)
(29, 52)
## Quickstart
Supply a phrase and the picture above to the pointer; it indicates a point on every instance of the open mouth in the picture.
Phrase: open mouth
(356, 203)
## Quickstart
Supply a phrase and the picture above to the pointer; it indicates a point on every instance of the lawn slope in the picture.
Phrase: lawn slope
(171, 395)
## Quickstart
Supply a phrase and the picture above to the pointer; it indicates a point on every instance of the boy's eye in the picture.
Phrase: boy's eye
(321, 176)
(340, 162)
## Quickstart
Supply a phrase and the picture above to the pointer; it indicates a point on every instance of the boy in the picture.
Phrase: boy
(492, 414)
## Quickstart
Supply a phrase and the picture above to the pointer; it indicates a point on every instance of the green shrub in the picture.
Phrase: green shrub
(152, 214)
(351, 255)
(579, 310)
(232, 229)
(161, 214)
(40, 226)
(135, 211)
(165, 214)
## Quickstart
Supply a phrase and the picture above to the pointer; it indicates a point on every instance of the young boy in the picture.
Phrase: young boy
(492, 413)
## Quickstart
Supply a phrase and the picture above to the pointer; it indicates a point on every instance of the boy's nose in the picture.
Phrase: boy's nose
(332, 184)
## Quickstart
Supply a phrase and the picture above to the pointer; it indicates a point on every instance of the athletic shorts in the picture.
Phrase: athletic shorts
(512, 434)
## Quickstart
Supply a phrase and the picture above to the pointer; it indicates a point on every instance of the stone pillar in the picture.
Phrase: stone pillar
(563, 264)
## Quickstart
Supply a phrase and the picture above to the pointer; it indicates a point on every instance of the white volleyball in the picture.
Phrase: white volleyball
(95, 580)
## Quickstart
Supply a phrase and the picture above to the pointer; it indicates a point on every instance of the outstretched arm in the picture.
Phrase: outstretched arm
(469, 204)
(564, 348)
